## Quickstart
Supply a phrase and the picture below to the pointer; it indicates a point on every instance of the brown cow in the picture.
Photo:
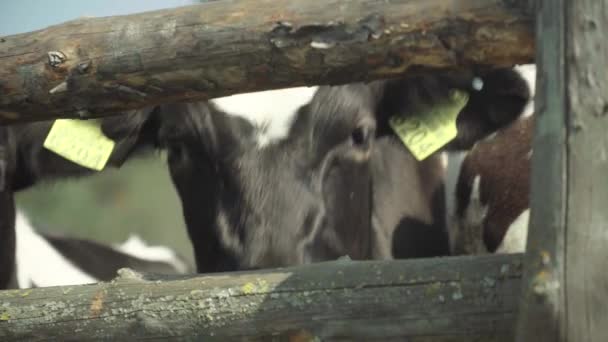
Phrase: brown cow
(492, 193)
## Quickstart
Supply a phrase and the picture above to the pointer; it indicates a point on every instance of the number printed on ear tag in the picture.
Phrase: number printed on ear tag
(80, 141)
(429, 130)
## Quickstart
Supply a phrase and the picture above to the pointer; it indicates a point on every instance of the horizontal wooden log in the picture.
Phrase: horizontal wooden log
(97, 66)
(439, 299)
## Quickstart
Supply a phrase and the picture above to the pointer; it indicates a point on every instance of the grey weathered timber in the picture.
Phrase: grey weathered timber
(565, 287)
(97, 66)
(440, 299)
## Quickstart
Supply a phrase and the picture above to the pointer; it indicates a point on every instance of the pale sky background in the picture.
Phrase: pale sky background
(17, 16)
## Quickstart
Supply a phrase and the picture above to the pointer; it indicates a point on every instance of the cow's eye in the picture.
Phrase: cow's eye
(361, 137)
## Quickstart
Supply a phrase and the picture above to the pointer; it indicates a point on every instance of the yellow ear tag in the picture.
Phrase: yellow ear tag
(432, 128)
(80, 141)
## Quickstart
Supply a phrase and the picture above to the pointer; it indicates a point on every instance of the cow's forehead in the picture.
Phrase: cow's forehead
(272, 109)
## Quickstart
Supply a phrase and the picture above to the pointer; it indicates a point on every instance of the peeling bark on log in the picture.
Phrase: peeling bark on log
(439, 299)
(95, 67)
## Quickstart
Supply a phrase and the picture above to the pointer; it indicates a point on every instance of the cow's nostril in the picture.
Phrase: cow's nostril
(360, 136)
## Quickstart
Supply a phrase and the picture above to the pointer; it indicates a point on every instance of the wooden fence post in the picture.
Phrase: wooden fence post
(565, 287)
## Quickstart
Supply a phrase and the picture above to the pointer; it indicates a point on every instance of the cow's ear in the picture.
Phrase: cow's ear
(495, 99)
(202, 128)
(196, 126)
(121, 126)
(157, 127)
(140, 125)
(501, 100)
(409, 96)
(133, 132)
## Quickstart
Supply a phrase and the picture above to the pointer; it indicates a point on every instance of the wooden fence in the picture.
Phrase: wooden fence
(225, 47)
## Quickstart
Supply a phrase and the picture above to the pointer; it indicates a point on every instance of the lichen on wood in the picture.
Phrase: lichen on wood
(439, 299)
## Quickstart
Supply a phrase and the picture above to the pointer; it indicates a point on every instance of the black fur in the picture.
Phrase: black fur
(24, 162)
(7, 209)
(340, 183)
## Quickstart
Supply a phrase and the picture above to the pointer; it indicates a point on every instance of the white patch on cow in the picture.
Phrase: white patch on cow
(39, 263)
(517, 235)
(271, 111)
(455, 159)
(443, 159)
(529, 154)
(137, 247)
(528, 72)
(466, 234)
(490, 137)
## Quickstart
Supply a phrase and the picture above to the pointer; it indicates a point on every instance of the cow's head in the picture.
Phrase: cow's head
(304, 196)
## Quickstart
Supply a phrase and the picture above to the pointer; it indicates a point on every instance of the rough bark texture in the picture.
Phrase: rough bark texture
(441, 299)
(565, 289)
(95, 66)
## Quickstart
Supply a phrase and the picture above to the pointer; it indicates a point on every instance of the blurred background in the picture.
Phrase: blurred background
(107, 207)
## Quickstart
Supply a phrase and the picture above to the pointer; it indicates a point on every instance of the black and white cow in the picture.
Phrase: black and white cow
(336, 181)
(50, 260)
(492, 190)
(23, 163)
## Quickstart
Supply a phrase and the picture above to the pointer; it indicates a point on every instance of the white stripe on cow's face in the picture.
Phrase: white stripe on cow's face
(272, 111)
(39, 263)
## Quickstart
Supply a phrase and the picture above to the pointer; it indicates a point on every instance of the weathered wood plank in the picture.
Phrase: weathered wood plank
(440, 299)
(97, 66)
(565, 288)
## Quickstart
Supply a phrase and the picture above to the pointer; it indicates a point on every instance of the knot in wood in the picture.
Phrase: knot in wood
(56, 58)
